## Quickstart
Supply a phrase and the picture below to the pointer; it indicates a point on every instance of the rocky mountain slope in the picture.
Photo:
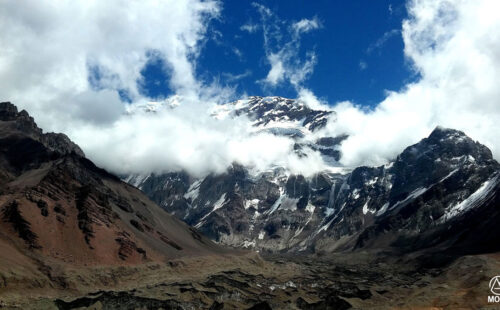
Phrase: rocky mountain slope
(57, 205)
(423, 198)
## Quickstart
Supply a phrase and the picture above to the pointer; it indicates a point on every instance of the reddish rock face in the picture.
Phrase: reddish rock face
(56, 204)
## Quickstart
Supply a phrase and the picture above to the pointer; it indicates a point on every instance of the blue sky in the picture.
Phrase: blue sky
(358, 49)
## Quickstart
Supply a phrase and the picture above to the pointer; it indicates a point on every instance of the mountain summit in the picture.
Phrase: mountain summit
(23, 124)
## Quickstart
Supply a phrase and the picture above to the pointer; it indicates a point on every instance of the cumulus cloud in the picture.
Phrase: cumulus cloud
(51, 50)
(309, 98)
(71, 63)
(454, 47)
(183, 138)
(277, 72)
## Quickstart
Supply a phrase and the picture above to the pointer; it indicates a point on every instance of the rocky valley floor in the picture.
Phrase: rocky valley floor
(359, 280)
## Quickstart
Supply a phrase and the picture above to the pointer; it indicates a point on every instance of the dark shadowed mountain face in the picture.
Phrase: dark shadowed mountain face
(430, 195)
(56, 204)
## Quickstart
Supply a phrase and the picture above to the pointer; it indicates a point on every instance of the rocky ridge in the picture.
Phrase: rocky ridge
(56, 204)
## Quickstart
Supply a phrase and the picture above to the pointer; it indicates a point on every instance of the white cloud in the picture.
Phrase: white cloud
(382, 40)
(286, 67)
(277, 73)
(301, 72)
(66, 63)
(238, 52)
(282, 49)
(49, 48)
(306, 25)
(49, 52)
(309, 98)
(454, 46)
(185, 138)
(250, 28)
(230, 77)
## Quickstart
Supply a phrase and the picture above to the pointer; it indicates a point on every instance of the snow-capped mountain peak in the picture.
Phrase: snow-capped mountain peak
(429, 186)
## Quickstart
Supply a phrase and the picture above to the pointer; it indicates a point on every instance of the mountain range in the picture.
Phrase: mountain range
(440, 192)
